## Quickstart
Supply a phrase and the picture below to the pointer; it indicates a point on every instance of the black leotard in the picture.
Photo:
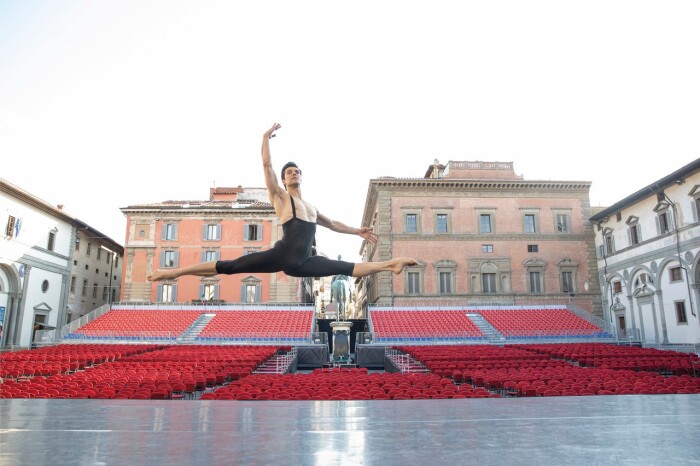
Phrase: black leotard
(291, 255)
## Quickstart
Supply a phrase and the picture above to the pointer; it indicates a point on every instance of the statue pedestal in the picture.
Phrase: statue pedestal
(341, 340)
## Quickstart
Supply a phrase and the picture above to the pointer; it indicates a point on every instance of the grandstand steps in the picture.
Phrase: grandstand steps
(280, 363)
(405, 363)
(198, 325)
(487, 329)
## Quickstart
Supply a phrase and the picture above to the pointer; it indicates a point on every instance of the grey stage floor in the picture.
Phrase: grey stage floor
(615, 430)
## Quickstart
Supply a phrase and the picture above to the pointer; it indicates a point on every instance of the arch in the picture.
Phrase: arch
(635, 272)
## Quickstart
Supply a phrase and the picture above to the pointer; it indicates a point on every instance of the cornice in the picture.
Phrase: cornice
(482, 184)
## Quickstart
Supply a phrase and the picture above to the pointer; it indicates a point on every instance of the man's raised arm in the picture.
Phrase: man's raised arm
(270, 176)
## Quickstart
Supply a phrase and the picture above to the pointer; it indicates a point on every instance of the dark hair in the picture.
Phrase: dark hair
(287, 165)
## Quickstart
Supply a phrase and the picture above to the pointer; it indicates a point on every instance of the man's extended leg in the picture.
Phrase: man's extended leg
(205, 269)
(362, 269)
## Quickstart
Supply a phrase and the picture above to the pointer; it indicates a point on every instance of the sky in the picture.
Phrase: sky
(107, 104)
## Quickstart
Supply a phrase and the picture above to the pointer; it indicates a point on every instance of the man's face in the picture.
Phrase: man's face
(292, 176)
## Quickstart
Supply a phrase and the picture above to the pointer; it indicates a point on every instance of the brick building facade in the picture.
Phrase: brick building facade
(482, 235)
(232, 223)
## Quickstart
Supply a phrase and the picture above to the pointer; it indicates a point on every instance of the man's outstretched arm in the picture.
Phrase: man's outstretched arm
(340, 227)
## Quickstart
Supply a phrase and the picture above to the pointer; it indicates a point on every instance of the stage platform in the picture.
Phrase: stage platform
(595, 430)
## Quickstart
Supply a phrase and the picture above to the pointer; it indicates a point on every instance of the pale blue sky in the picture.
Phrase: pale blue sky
(172, 97)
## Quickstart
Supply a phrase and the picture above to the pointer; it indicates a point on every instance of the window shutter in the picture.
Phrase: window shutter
(258, 293)
(217, 255)
(177, 258)
(159, 294)
(242, 293)
(629, 236)
(260, 232)
(218, 232)
(696, 214)
(162, 258)
(204, 231)
(203, 256)
(614, 249)
(216, 292)
(245, 232)
(639, 232)
(175, 231)
(201, 292)
(163, 231)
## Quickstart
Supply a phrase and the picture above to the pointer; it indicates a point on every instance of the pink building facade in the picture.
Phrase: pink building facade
(231, 223)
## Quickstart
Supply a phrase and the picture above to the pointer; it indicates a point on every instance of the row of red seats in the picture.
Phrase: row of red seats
(289, 324)
(523, 322)
(134, 322)
(182, 370)
(417, 323)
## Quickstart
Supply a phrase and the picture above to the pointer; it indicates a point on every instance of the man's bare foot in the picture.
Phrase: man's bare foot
(397, 265)
(157, 276)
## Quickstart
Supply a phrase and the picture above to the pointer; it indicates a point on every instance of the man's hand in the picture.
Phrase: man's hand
(369, 235)
(269, 134)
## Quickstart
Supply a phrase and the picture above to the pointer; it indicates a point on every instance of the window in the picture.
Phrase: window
(413, 286)
(168, 259)
(567, 283)
(72, 284)
(94, 290)
(609, 244)
(641, 280)
(209, 292)
(676, 274)
(168, 232)
(99, 253)
(664, 223)
(88, 251)
(87, 266)
(487, 248)
(116, 261)
(252, 232)
(107, 257)
(563, 223)
(167, 293)
(530, 223)
(210, 256)
(634, 234)
(485, 223)
(532, 248)
(441, 223)
(85, 285)
(77, 242)
(45, 286)
(488, 282)
(618, 216)
(681, 317)
(251, 292)
(617, 287)
(411, 223)
(212, 232)
(105, 293)
(97, 271)
(535, 283)
(445, 282)
(52, 241)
